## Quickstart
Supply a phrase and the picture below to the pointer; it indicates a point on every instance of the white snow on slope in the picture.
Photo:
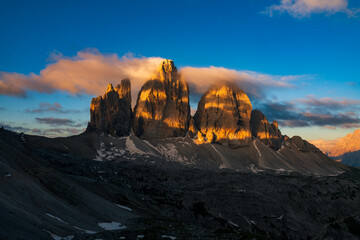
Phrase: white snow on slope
(168, 236)
(56, 218)
(124, 207)
(56, 237)
(111, 226)
(221, 157)
(131, 147)
(86, 231)
(254, 142)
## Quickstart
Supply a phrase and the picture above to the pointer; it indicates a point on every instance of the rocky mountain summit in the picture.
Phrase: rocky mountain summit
(223, 116)
(162, 109)
(111, 113)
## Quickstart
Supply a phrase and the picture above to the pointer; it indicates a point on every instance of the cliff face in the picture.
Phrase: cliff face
(223, 116)
(162, 109)
(111, 113)
(267, 133)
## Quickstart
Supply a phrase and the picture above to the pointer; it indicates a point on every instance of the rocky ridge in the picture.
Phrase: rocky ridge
(162, 109)
(111, 113)
(224, 114)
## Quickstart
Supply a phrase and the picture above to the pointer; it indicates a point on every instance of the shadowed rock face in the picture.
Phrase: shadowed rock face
(223, 116)
(111, 113)
(162, 109)
(267, 133)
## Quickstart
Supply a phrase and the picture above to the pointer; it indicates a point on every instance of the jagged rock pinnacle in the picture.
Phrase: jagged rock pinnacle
(162, 109)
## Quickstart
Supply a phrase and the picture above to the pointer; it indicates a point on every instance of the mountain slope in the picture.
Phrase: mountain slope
(47, 190)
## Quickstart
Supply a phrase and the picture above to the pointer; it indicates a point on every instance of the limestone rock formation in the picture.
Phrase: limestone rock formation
(192, 131)
(267, 133)
(223, 116)
(111, 113)
(162, 109)
(303, 145)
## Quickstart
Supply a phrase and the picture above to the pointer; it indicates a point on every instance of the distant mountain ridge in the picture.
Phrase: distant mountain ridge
(345, 149)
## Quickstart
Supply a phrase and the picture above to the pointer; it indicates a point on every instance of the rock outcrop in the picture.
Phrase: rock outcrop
(267, 133)
(223, 116)
(162, 109)
(111, 113)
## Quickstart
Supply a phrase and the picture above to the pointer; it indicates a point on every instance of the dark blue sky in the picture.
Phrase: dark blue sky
(320, 43)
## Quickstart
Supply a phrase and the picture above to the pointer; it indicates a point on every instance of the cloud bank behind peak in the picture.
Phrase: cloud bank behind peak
(89, 72)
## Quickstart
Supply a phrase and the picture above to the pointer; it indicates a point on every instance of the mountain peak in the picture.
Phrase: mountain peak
(166, 71)
(109, 88)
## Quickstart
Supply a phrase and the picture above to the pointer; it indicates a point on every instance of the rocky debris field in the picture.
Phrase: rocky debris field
(49, 194)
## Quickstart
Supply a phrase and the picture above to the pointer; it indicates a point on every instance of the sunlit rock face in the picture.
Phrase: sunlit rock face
(223, 116)
(162, 109)
(267, 133)
(111, 113)
(192, 131)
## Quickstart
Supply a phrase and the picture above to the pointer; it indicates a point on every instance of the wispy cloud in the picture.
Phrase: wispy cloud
(90, 71)
(253, 83)
(12, 127)
(324, 112)
(48, 107)
(328, 102)
(304, 8)
(54, 132)
(57, 121)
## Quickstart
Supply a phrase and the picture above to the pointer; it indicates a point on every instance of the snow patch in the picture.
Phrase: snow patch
(56, 237)
(259, 153)
(56, 218)
(111, 226)
(131, 147)
(140, 236)
(86, 231)
(8, 175)
(233, 224)
(222, 166)
(124, 207)
(168, 236)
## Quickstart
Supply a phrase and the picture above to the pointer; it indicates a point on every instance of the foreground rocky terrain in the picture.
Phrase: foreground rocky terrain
(48, 192)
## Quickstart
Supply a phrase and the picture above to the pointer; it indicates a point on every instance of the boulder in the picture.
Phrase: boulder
(223, 116)
(162, 109)
(111, 113)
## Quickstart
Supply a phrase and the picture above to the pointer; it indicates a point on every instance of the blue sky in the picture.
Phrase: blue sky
(318, 44)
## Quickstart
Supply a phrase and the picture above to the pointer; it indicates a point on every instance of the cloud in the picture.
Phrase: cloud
(48, 107)
(2, 109)
(304, 8)
(324, 113)
(56, 132)
(36, 130)
(89, 72)
(57, 121)
(14, 128)
(329, 103)
(253, 83)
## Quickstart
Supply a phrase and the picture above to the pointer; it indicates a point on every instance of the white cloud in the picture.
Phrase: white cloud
(89, 72)
(304, 8)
